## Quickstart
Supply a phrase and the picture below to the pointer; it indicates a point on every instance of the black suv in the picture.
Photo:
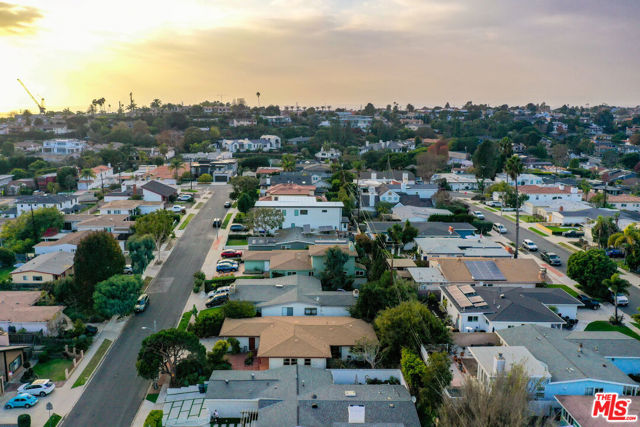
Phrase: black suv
(217, 300)
(589, 302)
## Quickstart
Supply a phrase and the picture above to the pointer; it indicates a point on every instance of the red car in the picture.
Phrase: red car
(230, 253)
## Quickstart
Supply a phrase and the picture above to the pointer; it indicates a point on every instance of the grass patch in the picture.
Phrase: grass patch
(189, 190)
(237, 242)
(603, 325)
(53, 421)
(153, 397)
(227, 218)
(93, 363)
(186, 221)
(209, 310)
(199, 205)
(535, 230)
(637, 325)
(53, 369)
(529, 218)
(560, 229)
(184, 321)
(568, 247)
(490, 209)
(565, 288)
(512, 218)
(621, 264)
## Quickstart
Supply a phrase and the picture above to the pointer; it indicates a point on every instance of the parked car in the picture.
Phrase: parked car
(216, 222)
(614, 252)
(91, 330)
(621, 299)
(23, 400)
(38, 387)
(227, 204)
(499, 228)
(185, 198)
(573, 233)
(225, 268)
(127, 269)
(231, 253)
(493, 203)
(228, 262)
(529, 245)
(178, 209)
(237, 227)
(142, 303)
(478, 214)
(221, 290)
(589, 302)
(551, 258)
(217, 300)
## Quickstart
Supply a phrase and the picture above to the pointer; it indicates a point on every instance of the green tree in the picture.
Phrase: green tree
(24, 420)
(629, 240)
(205, 178)
(245, 202)
(369, 109)
(604, 228)
(215, 358)
(97, 258)
(22, 233)
(161, 352)
(141, 249)
(154, 419)
(67, 177)
(214, 133)
(264, 220)
(368, 350)
(514, 168)
(157, 224)
(117, 295)
(408, 324)
(244, 184)
(175, 165)
(288, 162)
(7, 257)
(560, 154)
(207, 324)
(590, 268)
(485, 162)
(239, 309)
(381, 294)
(585, 186)
(334, 275)
(401, 235)
(618, 286)
(7, 148)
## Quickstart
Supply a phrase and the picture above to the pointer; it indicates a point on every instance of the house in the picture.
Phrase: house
(387, 177)
(494, 361)
(307, 396)
(68, 243)
(348, 119)
(221, 170)
(44, 268)
(294, 238)
(539, 195)
(523, 179)
(433, 247)
(427, 278)
(299, 178)
(62, 202)
(16, 186)
(242, 122)
(304, 211)
(19, 311)
(577, 410)
(44, 180)
(299, 140)
(290, 189)
(5, 180)
(425, 229)
(265, 143)
(581, 362)
(488, 309)
(392, 146)
(130, 207)
(155, 191)
(310, 262)
(12, 357)
(625, 202)
(521, 272)
(63, 147)
(415, 214)
(459, 158)
(459, 181)
(293, 340)
(331, 154)
(295, 295)
(103, 177)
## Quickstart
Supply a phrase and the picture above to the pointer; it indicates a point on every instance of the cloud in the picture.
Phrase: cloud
(15, 19)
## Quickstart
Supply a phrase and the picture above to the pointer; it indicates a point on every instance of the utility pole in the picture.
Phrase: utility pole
(33, 224)
(190, 173)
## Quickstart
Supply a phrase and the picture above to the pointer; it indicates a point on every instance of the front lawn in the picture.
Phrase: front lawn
(93, 363)
(53, 369)
(186, 221)
(560, 229)
(530, 218)
(53, 421)
(566, 288)
(226, 220)
(237, 242)
(603, 325)
(535, 230)
(568, 247)
(490, 209)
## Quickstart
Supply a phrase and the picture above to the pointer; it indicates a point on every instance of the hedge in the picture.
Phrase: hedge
(154, 419)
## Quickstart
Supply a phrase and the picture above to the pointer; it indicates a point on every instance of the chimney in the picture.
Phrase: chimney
(542, 275)
(498, 364)
(561, 187)
(405, 177)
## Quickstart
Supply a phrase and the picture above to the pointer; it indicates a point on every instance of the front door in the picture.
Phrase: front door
(252, 343)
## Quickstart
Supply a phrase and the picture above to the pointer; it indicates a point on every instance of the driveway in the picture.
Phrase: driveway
(114, 395)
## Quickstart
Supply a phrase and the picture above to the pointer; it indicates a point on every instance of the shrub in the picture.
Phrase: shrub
(78, 328)
(24, 420)
(154, 419)
(205, 178)
(43, 356)
(207, 324)
(239, 309)
(235, 345)
(7, 257)
(249, 359)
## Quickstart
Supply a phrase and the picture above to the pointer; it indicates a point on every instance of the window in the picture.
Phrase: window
(629, 390)
(37, 278)
(591, 391)
(289, 362)
(472, 318)
(304, 212)
(291, 273)
(17, 362)
(296, 212)
(307, 362)
(324, 211)
(25, 278)
(310, 311)
(287, 311)
(359, 273)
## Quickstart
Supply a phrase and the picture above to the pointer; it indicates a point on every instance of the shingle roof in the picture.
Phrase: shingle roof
(538, 189)
(49, 198)
(68, 239)
(51, 263)
(18, 306)
(160, 188)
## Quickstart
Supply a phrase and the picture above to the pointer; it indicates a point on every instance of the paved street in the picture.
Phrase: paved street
(543, 244)
(113, 397)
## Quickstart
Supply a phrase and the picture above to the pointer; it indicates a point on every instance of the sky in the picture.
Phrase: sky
(312, 52)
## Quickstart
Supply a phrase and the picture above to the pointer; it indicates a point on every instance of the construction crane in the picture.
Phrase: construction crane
(39, 104)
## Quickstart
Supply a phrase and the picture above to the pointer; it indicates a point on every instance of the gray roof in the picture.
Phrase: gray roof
(48, 198)
(288, 289)
(412, 200)
(300, 178)
(425, 229)
(285, 397)
(426, 275)
(476, 247)
(296, 234)
(562, 356)
(394, 174)
(160, 188)
(51, 263)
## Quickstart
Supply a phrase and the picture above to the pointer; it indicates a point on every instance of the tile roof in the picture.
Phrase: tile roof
(163, 172)
(51, 263)
(321, 250)
(18, 306)
(302, 337)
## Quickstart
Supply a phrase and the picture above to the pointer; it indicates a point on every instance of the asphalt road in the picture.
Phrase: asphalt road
(543, 244)
(113, 396)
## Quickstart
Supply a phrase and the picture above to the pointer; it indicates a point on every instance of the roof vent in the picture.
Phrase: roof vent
(314, 405)
(279, 285)
(502, 296)
(226, 381)
(356, 414)
(350, 393)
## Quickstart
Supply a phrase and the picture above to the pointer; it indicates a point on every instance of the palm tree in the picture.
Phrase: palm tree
(175, 166)
(629, 240)
(514, 168)
(288, 162)
(258, 95)
(586, 188)
(88, 173)
(617, 286)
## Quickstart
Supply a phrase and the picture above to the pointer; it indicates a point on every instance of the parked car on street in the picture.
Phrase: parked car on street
(142, 303)
(23, 400)
(614, 252)
(237, 227)
(551, 258)
(227, 204)
(499, 228)
(225, 268)
(493, 203)
(91, 330)
(589, 302)
(529, 245)
(217, 300)
(38, 387)
(621, 299)
(231, 253)
(178, 209)
(573, 233)
(478, 214)
(216, 222)
(185, 198)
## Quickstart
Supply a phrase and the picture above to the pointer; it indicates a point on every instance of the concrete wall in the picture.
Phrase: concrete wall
(349, 376)
(149, 196)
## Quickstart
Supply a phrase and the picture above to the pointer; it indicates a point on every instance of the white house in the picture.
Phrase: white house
(155, 191)
(104, 177)
(304, 211)
(625, 202)
(68, 243)
(265, 143)
(19, 311)
(63, 146)
(544, 195)
(332, 154)
(459, 181)
(523, 179)
(130, 207)
(59, 201)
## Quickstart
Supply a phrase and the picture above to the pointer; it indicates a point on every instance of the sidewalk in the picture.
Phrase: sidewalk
(209, 266)
(64, 397)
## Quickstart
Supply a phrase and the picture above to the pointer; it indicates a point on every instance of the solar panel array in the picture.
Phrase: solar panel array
(484, 270)
(465, 296)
